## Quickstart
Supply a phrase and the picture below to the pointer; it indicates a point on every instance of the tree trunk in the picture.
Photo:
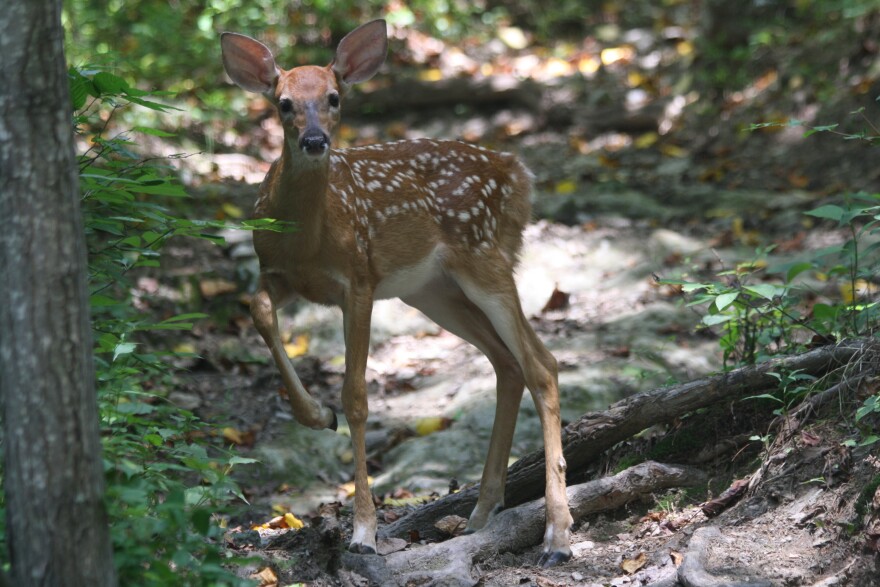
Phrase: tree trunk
(56, 521)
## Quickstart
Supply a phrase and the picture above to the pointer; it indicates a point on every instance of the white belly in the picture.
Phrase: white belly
(408, 280)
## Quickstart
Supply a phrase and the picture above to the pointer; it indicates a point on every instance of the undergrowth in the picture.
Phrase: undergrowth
(167, 488)
(764, 307)
(166, 493)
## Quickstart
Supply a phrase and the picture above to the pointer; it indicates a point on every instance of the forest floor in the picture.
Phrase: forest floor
(626, 195)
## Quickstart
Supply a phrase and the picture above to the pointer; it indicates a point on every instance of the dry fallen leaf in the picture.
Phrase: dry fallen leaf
(293, 522)
(559, 300)
(266, 577)
(348, 489)
(329, 510)
(430, 425)
(621, 352)
(233, 435)
(513, 37)
(211, 288)
(451, 525)
(276, 522)
(810, 439)
(646, 140)
(385, 546)
(298, 346)
(729, 497)
(653, 517)
(632, 565)
(673, 151)
(231, 210)
(677, 558)
(565, 186)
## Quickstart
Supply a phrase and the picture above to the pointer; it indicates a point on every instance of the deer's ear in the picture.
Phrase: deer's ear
(248, 62)
(360, 53)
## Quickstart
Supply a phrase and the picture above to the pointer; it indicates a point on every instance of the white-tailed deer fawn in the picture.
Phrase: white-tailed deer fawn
(437, 224)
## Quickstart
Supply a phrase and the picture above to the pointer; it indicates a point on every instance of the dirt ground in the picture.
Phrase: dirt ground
(616, 214)
(621, 334)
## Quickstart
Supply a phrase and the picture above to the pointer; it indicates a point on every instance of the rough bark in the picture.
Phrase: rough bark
(595, 432)
(516, 529)
(56, 522)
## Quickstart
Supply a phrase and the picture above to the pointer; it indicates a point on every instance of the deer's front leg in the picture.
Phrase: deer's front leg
(307, 410)
(357, 311)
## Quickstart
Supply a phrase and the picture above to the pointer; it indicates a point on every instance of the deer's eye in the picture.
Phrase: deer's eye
(333, 99)
(285, 105)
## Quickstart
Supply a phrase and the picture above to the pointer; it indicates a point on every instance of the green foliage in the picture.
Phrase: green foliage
(866, 495)
(757, 319)
(739, 39)
(164, 491)
(175, 45)
(763, 310)
(791, 390)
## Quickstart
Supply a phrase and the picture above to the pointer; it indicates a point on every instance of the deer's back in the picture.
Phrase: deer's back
(463, 194)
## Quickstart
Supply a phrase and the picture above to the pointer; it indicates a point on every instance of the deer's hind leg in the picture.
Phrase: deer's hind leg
(445, 303)
(493, 291)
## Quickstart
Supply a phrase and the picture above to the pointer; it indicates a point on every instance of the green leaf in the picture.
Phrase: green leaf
(79, 91)
(201, 519)
(123, 348)
(816, 129)
(153, 439)
(825, 312)
(135, 408)
(163, 326)
(151, 105)
(869, 440)
(108, 83)
(870, 406)
(765, 290)
(797, 269)
(713, 320)
(829, 211)
(689, 287)
(99, 301)
(153, 132)
(725, 299)
(191, 316)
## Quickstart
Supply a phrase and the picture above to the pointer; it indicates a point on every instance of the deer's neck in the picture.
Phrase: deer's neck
(298, 194)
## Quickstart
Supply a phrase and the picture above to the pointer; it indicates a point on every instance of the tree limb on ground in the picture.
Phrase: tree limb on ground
(412, 93)
(595, 432)
(516, 529)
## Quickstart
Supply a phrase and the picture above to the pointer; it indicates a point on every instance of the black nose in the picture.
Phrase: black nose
(314, 143)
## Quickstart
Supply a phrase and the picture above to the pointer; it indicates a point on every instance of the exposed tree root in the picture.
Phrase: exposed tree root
(693, 573)
(595, 432)
(515, 530)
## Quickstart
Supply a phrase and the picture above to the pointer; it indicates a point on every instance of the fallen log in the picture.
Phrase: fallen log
(411, 93)
(516, 529)
(595, 432)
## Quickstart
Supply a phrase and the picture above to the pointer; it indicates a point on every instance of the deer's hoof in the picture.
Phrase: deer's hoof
(358, 548)
(553, 558)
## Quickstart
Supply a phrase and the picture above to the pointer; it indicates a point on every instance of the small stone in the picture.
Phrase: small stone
(580, 549)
